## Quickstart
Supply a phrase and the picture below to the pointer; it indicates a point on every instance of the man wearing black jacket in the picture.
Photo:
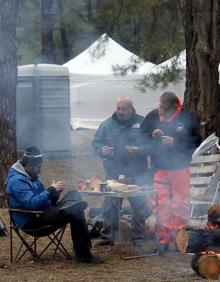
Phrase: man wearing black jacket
(123, 148)
(173, 135)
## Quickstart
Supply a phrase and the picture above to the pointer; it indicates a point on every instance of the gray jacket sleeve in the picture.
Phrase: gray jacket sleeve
(99, 140)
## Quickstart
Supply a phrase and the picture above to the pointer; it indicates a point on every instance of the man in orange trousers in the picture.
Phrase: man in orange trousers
(173, 134)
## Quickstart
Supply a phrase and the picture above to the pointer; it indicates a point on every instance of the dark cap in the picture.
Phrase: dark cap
(32, 155)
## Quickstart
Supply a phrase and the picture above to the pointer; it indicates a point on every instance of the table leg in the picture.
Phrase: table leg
(129, 251)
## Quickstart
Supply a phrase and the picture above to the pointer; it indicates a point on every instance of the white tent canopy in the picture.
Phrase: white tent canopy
(102, 56)
(94, 89)
(180, 60)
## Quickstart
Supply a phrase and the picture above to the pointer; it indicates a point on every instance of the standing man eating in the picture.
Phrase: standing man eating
(120, 143)
(173, 134)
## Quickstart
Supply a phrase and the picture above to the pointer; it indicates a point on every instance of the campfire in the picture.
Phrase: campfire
(204, 243)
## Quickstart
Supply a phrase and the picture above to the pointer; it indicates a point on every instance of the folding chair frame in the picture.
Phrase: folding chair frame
(54, 236)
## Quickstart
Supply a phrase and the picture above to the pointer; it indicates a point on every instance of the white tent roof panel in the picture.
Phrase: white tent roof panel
(101, 56)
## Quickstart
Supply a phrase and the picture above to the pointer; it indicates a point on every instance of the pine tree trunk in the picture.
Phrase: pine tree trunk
(63, 33)
(48, 47)
(8, 74)
(201, 21)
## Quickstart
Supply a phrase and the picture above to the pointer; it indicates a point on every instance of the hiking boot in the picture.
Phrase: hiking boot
(90, 259)
(73, 208)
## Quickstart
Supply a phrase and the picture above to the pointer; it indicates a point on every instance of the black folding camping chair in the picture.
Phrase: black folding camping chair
(30, 237)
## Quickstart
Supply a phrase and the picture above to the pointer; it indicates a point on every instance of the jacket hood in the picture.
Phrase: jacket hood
(17, 167)
(175, 114)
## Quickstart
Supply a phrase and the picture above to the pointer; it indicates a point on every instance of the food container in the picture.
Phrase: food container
(103, 186)
(80, 185)
(88, 185)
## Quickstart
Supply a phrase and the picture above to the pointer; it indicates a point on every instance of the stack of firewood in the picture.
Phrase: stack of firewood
(204, 243)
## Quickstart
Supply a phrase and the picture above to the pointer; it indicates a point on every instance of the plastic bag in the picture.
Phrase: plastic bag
(209, 143)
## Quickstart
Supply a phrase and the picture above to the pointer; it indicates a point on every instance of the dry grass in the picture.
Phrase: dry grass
(172, 267)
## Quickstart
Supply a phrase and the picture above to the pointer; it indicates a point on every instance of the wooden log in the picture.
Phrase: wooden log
(206, 265)
(196, 240)
(209, 266)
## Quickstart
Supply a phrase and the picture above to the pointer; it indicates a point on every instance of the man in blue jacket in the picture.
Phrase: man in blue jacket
(121, 144)
(25, 191)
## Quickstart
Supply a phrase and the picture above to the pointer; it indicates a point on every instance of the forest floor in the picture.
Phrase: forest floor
(174, 266)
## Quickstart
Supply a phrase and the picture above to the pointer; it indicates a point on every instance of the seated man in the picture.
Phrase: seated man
(26, 191)
(122, 146)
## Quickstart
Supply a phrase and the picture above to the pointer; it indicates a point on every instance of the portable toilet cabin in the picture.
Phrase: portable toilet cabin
(43, 109)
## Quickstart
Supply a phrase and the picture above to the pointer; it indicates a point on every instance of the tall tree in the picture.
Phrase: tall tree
(8, 74)
(48, 46)
(201, 20)
(63, 33)
(149, 28)
(28, 22)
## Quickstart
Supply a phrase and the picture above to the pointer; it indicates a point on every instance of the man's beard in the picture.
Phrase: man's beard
(33, 175)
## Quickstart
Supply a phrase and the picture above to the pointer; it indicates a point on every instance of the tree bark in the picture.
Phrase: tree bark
(8, 74)
(48, 47)
(201, 19)
(63, 34)
(206, 265)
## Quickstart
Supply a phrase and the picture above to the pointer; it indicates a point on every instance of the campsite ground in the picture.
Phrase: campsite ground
(83, 165)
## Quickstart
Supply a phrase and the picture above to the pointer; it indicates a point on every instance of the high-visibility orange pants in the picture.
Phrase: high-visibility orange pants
(172, 209)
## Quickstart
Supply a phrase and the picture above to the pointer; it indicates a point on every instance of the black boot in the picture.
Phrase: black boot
(89, 259)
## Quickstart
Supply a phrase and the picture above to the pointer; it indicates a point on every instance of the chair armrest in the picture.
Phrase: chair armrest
(26, 211)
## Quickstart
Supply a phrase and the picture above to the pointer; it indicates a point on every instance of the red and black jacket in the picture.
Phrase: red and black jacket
(185, 131)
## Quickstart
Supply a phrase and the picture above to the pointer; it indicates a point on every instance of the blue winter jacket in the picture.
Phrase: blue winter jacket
(25, 193)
